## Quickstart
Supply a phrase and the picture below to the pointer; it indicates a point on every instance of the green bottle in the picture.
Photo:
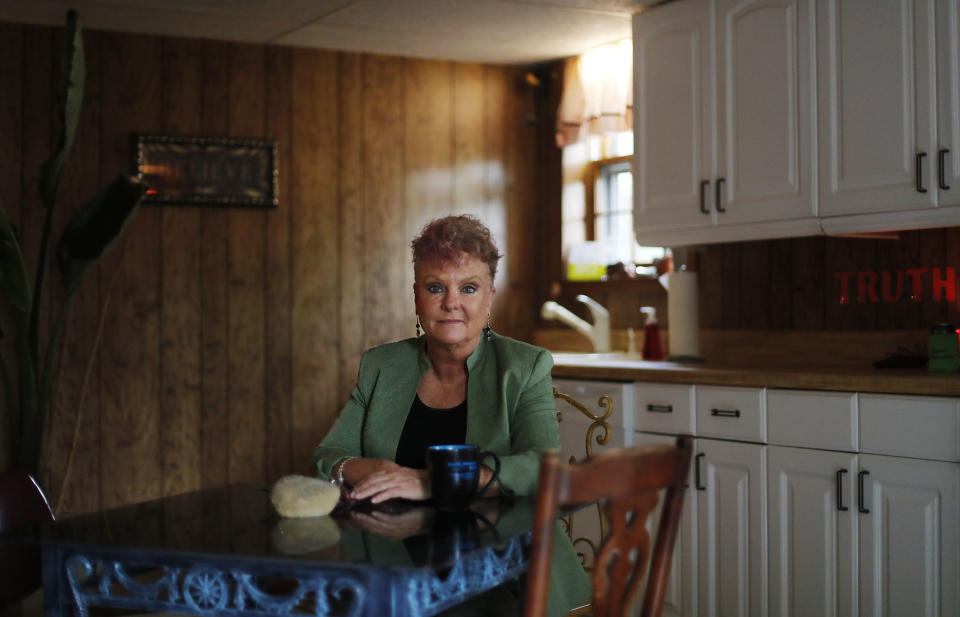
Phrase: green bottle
(943, 349)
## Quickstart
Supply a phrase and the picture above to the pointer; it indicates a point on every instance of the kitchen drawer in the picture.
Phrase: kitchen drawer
(810, 419)
(589, 392)
(916, 426)
(731, 413)
(664, 408)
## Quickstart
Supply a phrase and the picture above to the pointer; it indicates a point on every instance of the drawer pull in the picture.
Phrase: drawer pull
(696, 474)
(840, 506)
(660, 408)
(860, 505)
(918, 171)
(942, 170)
(725, 413)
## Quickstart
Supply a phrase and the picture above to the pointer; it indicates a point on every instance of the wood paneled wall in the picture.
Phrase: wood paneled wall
(229, 338)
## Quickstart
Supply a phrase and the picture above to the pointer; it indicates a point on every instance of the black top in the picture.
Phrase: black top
(426, 426)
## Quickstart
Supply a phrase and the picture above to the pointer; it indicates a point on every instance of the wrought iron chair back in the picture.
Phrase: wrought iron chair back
(597, 431)
(626, 482)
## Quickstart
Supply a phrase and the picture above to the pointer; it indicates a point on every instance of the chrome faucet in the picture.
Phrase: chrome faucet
(598, 332)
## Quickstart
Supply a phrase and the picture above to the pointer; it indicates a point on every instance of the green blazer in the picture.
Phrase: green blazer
(510, 410)
(510, 407)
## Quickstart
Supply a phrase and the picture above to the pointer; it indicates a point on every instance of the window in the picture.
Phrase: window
(597, 200)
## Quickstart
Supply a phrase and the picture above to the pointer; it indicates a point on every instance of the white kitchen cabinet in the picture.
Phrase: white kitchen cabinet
(770, 118)
(665, 408)
(924, 427)
(813, 532)
(731, 413)
(673, 116)
(731, 516)
(812, 503)
(764, 100)
(719, 562)
(889, 114)
(722, 127)
(808, 419)
(875, 74)
(863, 534)
(909, 537)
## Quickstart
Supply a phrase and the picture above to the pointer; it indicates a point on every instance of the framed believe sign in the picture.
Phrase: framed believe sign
(204, 170)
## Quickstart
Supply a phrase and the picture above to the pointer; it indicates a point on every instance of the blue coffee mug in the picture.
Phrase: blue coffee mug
(454, 472)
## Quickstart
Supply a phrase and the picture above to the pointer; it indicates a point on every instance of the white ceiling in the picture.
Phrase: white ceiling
(494, 31)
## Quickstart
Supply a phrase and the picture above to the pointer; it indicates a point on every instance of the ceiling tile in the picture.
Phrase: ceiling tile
(415, 45)
(495, 31)
(616, 6)
(484, 19)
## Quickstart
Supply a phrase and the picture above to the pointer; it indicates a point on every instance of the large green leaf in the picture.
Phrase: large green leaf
(14, 280)
(92, 229)
(95, 226)
(73, 74)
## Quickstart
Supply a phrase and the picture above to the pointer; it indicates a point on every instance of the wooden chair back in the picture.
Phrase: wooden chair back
(22, 504)
(626, 482)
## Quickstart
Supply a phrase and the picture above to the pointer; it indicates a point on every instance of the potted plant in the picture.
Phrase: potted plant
(91, 230)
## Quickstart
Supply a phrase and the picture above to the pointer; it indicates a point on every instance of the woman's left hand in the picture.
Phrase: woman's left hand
(393, 481)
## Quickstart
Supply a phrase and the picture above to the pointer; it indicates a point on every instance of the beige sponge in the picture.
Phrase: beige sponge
(296, 536)
(299, 496)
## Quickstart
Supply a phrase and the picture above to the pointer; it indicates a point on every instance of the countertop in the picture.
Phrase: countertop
(847, 378)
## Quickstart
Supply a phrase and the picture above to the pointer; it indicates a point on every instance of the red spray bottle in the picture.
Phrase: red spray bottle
(652, 349)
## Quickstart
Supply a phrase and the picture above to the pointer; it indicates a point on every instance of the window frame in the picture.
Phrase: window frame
(594, 171)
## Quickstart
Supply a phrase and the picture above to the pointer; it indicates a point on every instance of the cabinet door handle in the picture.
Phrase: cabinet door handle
(919, 171)
(840, 506)
(719, 191)
(696, 472)
(660, 408)
(860, 505)
(703, 199)
(725, 413)
(942, 169)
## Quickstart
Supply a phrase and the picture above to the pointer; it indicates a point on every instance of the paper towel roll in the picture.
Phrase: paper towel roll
(683, 315)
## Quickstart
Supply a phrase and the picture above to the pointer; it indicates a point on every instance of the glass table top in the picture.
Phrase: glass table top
(238, 521)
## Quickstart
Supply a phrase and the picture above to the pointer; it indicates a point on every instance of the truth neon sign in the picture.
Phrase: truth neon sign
(891, 286)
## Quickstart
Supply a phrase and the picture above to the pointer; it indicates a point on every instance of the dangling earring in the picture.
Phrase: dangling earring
(487, 332)
(418, 325)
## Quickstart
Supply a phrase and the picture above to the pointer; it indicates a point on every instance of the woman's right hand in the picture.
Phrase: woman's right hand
(379, 480)
(396, 526)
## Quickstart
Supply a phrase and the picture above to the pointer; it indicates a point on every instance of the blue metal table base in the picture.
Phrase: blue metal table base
(230, 587)
(428, 594)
